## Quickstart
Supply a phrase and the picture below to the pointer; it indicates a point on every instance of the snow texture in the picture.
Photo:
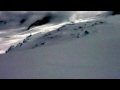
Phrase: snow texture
(82, 49)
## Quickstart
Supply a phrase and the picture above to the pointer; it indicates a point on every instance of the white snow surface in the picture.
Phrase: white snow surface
(67, 52)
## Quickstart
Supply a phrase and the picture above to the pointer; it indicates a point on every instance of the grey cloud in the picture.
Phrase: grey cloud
(62, 15)
(58, 16)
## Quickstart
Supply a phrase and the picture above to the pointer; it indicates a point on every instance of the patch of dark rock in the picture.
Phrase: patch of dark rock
(3, 22)
(43, 43)
(22, 21)
(86, 33)
(116, 12)
(43, 21)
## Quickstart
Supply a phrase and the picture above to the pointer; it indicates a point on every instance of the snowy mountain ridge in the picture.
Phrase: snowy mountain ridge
(63, 33)
(93, 54)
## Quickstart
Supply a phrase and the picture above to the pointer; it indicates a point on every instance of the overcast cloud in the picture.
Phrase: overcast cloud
(64, 15)
(58, 16)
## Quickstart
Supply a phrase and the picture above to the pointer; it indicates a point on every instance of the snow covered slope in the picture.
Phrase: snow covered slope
(77, 50)
(16, 26)
(54, 34)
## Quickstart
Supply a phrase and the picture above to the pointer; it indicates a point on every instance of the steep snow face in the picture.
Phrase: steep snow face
(94, 53)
